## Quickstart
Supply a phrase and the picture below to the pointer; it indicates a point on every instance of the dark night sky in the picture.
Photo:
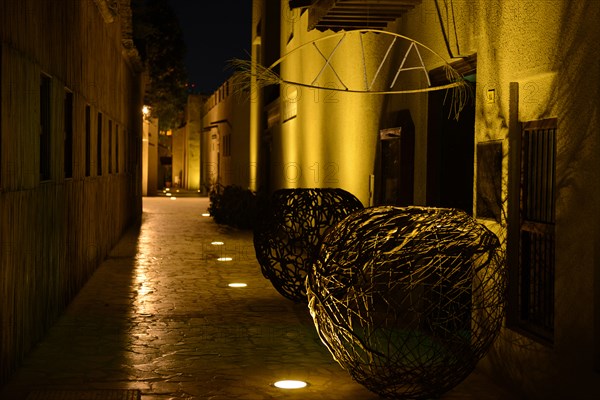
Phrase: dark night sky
(215, 31)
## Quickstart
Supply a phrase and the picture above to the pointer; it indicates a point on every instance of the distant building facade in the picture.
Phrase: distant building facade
(186, 142)
(70, 134)
(225, 138)
(522, 157)
(150, 157)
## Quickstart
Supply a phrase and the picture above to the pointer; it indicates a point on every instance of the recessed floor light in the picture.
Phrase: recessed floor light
(217, 243)
(169, 194)
(205, 214)
(173, 198)
(290, 384)
(237, 285)
(224, 259)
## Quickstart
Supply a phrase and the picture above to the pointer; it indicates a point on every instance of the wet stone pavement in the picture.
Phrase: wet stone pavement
(158, 316)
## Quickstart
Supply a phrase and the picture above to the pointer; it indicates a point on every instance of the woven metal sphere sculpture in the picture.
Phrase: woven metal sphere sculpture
(408, 300)
(287, 240)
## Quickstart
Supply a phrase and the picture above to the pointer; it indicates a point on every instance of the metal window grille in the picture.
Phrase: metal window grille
(537, 243)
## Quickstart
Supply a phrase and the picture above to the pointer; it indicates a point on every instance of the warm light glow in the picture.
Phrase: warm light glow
(173, 198)
(168, 189)
(169, 194)
(145, 301)
(206, 215)
(145, 110)
(217, 243)
(290, 384)
(237, 285)
(177, 190)
(224, 259)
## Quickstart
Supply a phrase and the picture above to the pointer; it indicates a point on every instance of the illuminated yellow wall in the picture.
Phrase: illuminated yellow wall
(193, 135)
(150, 157)
(226, 117)
(178, 156)
(545, 47)
(255, 112)
(331, 142)
(186, 145)
(550, 49)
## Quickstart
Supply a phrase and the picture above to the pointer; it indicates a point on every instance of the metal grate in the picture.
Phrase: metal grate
(536, 275)
(538, 146)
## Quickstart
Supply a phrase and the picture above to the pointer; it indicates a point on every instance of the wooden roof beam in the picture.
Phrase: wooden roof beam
(360, 11)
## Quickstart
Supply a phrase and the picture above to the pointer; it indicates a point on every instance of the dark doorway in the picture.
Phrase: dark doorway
(450, 151)
(395, 177)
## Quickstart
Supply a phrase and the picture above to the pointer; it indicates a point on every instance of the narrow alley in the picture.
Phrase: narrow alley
(159, 320)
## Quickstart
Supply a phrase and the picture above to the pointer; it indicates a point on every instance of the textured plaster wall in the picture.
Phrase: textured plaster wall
(550, 48)
(193, 132)
(331, 141)
(53, 234)
(230, 116)
(150, 157)
(178, 155)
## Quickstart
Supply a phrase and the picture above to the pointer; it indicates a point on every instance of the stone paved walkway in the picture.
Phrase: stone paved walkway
(158, 316)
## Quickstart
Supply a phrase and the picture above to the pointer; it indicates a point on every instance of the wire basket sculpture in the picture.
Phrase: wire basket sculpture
(287, 240)
(408, 300)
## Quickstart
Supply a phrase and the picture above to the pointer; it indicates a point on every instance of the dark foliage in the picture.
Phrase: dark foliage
(234, 206)
(159, 40)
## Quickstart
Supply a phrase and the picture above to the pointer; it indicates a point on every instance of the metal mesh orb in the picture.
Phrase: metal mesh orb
(287, 240)
(408, 300)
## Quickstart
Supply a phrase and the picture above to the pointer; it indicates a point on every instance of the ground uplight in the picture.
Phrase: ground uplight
(290, 384)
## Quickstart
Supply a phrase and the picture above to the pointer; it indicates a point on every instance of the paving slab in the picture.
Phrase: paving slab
(158, 318)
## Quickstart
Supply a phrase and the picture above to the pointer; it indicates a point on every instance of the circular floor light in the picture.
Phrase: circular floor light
(205, 214)
(237, 285)
(224, 259)
(217, 243)
(290, 384)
